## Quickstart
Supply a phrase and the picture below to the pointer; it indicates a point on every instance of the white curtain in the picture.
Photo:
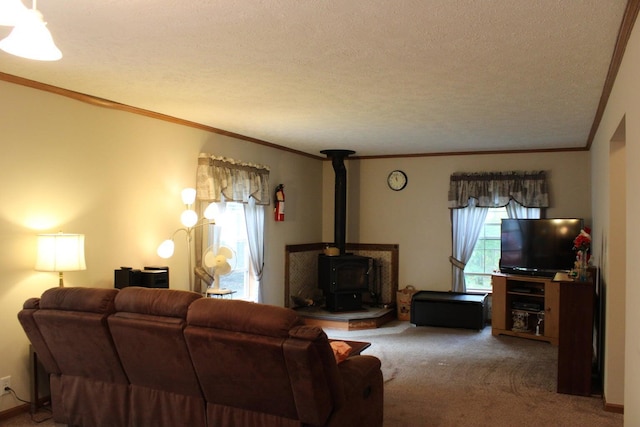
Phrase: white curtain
(470, 196)
(220, 179)
(516, 211)
(466, 226)
(254, 219)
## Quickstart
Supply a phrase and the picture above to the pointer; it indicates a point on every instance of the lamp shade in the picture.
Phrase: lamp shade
(60, 252)
(31, 39)
(166, 248)
(189, 218)
(211, 211)
(11, 12)
(188, 196)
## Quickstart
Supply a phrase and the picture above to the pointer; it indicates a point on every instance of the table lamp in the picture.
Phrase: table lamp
(60, 252)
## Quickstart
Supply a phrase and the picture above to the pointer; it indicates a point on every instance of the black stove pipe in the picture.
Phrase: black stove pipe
(340, 204)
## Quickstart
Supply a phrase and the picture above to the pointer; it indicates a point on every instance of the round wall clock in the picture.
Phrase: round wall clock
(397, 180)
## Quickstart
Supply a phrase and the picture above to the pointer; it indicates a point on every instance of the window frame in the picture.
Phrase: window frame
(486, 275)
(226, 209)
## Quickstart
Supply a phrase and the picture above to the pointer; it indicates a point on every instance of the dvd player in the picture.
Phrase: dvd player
(529, 306)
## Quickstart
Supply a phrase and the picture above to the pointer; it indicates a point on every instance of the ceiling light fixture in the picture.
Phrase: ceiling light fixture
(11, 12)
(30, 38)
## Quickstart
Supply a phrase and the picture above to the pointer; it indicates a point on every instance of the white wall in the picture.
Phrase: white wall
(116, 177)
(617, 139)
(417, 218)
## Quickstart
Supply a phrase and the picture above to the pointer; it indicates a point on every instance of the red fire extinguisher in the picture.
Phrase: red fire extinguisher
(278, 211)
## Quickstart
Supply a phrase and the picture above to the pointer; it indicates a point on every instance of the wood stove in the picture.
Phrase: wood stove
(344, 277)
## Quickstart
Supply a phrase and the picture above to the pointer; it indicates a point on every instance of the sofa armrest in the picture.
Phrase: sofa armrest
(356, 384)
(357, 373)
(25, 317)
(364, 392)
(32, 303)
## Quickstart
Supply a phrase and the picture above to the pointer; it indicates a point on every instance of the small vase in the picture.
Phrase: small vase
(583, 268)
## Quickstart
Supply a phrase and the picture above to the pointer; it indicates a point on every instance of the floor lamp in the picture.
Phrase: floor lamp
(188, 218)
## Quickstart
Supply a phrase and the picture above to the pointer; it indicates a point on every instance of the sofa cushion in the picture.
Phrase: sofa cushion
(237, 351)
(73, 324)
(151, 342)
(89, 300)
(243, 316)
(147, 329)
(155, 302)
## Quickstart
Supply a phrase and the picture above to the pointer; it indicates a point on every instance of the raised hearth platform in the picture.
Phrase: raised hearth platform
(366, 318)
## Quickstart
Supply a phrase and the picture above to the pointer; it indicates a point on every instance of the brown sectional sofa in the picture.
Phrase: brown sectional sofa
(140, 356)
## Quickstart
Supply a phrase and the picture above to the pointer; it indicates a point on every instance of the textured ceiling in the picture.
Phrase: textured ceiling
(380, 77)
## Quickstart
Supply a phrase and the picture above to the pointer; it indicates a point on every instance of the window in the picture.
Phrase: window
(486, 254)
(233, 234)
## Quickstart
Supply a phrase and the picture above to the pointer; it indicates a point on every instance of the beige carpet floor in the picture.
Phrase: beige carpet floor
(456, 377)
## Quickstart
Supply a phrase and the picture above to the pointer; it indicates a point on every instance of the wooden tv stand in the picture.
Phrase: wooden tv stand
(570, 311)
(526, 307)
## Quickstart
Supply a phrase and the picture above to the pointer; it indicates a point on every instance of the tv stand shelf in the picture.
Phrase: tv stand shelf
(565, 313)
(525, 306)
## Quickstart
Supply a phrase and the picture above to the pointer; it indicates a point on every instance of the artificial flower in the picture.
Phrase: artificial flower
(582, 242)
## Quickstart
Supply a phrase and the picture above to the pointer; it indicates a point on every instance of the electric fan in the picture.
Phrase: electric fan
(222, 262)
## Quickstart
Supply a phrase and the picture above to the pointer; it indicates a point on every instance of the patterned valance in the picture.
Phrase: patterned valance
(495, 189)
(236, 181)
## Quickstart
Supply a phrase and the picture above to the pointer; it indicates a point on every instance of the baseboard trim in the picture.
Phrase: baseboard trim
(16, 410)
(613, 407)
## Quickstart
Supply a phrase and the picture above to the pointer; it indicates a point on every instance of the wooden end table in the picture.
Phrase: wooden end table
(357, 347)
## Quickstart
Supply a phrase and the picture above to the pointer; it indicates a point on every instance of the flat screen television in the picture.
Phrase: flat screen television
(538, 247)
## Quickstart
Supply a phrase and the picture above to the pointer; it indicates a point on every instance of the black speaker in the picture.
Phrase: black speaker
(126, 276)
(154, 278)
(150, 277)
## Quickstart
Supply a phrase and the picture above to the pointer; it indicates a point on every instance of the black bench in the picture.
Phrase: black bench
(449, 309)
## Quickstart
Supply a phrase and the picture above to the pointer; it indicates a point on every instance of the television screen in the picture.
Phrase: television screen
(540, 247)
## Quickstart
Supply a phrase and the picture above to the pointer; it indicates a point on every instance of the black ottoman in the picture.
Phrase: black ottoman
(449, 309)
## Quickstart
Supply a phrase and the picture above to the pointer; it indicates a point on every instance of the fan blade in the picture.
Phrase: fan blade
(223, 269)
(209, 259)
(226, 252)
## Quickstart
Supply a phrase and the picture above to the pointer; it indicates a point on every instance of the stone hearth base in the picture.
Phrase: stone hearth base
(367, 318)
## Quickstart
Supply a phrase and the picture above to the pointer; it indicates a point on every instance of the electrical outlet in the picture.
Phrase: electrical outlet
(4, 383)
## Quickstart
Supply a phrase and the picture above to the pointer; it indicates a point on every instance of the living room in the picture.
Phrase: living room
(116, 177)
